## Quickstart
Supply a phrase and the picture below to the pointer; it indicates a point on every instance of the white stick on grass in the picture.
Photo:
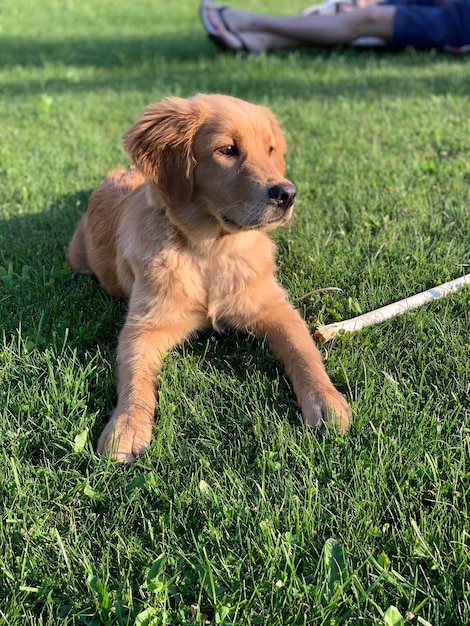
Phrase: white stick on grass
(325, 333)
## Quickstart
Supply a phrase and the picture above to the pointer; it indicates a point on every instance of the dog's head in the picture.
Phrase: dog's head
(217, 160)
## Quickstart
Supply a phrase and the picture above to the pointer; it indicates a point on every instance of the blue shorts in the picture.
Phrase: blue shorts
(431, 24)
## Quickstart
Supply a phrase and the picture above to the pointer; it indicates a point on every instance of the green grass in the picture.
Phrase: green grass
(235, 508)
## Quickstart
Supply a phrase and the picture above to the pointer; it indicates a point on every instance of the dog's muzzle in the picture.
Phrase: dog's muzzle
(283, 195)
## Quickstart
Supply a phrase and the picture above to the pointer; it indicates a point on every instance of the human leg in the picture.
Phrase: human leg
(260, 32)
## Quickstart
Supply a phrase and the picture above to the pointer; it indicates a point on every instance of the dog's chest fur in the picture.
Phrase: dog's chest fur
(214, 281)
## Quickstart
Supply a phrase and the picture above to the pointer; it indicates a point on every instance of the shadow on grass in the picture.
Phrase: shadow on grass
(134, 61)
(106, 52)
(40, 294)
(41, 237)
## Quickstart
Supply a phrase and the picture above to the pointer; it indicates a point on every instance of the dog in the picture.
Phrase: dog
(182, 235)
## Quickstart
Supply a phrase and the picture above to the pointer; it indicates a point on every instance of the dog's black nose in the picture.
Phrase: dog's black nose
(284, 195)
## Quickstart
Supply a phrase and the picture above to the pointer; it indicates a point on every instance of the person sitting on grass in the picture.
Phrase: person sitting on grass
(423, 24)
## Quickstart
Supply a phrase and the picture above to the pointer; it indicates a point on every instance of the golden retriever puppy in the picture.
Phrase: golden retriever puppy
(183, 237)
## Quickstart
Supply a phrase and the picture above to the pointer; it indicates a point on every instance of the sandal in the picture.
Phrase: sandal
(214, 37)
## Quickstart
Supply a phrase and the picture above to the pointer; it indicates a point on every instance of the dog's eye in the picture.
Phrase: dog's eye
(229, 151)
(271, 149)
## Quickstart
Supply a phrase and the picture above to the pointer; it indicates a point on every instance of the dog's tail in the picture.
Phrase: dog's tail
(76, 252)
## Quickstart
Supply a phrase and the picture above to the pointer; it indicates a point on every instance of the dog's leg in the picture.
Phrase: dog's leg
(140, 353)
(289, 338)
(76, 252)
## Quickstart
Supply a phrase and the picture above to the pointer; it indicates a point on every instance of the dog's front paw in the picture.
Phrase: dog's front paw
(124, 438)
(326, 406)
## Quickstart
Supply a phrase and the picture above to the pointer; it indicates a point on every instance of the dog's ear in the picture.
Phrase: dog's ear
(160, 144)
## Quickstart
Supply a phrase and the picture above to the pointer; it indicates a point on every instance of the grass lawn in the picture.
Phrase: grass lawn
(236, 508)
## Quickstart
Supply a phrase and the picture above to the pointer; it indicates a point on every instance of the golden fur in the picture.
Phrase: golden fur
(182, 236)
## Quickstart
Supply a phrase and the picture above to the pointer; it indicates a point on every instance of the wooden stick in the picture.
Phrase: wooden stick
(325, 333)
